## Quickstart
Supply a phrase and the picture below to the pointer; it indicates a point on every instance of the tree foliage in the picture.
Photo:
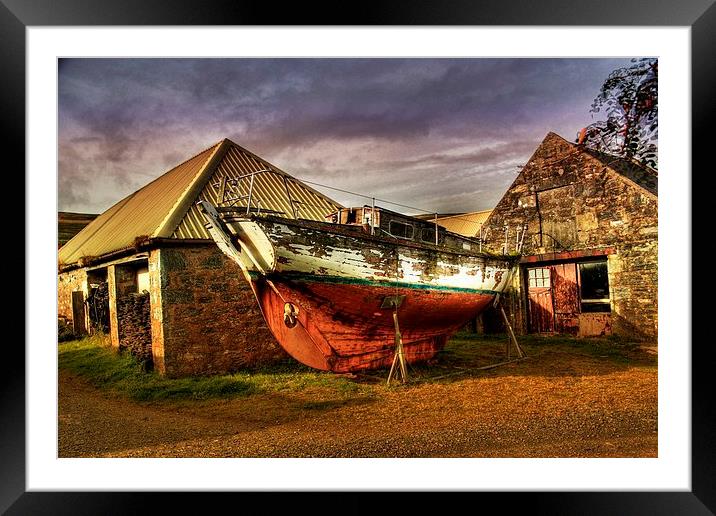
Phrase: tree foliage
(629, 98)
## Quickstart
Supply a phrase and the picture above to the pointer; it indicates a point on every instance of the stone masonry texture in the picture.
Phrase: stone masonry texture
(135, 332)
(571, 199)
(121, 281)
(204, 317)
(67, 283)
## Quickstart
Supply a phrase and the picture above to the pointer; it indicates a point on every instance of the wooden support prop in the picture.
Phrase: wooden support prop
(399, 359)
(483, 368)
(511, 333)
(509, 340)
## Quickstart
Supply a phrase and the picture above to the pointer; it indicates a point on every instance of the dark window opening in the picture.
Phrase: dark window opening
(591, 307)
(428, 235)
(594, 287)
(401, 230)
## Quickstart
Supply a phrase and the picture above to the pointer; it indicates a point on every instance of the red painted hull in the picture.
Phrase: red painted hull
(341, 327)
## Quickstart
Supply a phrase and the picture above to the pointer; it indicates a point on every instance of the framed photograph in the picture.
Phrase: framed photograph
(61, 61)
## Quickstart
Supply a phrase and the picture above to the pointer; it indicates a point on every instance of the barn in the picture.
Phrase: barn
(585, 224)
(148, 274)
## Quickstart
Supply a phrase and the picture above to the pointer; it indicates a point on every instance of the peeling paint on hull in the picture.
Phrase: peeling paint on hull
(342, 328)
(338, 279)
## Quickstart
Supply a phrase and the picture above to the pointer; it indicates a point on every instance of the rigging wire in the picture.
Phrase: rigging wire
(367, 196)
(453, 217)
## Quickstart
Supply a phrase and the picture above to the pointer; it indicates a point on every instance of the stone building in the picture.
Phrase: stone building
(147, 272)
(586, 226)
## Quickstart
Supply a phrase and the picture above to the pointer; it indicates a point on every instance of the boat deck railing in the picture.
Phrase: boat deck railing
(229, 185)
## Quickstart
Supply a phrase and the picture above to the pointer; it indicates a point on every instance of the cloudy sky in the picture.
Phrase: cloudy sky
(446, 135)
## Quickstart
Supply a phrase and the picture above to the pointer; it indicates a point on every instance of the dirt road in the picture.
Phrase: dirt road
(551, 406)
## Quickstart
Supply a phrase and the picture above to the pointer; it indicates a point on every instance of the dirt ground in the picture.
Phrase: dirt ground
(554, 404)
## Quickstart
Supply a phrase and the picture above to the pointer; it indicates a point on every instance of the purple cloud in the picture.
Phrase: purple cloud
(441, 134)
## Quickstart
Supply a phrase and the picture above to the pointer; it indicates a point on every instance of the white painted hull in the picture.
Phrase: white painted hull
(294, 247)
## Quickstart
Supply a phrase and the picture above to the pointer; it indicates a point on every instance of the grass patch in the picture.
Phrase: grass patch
(550, 355)
(613, 348)
(104, 367)
(91, 359)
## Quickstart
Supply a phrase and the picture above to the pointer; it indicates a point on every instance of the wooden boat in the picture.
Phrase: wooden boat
(329, 290)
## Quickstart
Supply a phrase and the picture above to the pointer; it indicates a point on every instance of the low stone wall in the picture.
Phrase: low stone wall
(135, 331)
(205, 319)
(67, 283)
(121, 282)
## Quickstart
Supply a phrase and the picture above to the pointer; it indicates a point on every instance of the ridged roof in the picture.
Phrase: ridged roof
(641, 175)
(276, 190)
(466, 224)
(165, 208)
(629, 169)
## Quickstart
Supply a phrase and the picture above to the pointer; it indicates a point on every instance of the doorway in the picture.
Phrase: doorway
(79, 327)
(541, 304)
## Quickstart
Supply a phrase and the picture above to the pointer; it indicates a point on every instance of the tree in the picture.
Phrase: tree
(629, 97)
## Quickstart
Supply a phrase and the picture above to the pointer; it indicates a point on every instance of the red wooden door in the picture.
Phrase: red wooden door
(565, 290)
(539, 293)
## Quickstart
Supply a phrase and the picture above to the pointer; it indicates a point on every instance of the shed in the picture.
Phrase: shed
(147, 272)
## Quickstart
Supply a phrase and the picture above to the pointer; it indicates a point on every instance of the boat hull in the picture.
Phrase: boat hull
(341, 327)
(324, 289)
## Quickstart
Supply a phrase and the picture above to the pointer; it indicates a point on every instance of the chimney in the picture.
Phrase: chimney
(582, 135)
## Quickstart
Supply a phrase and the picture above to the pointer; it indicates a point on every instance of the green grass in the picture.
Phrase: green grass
(614, 348)
(467, 350)
(101, 365)
(91, 359)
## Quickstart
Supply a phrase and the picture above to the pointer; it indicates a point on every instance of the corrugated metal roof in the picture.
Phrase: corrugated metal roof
(139, 214)
(166, 206)
(276, 190)
(466, 224)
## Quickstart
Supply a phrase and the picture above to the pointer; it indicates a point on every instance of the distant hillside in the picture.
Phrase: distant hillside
(69, 224)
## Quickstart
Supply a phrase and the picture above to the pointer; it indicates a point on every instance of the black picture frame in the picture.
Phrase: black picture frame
(699, 15)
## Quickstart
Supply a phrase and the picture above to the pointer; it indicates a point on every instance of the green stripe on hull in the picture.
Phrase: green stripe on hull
(317, 278)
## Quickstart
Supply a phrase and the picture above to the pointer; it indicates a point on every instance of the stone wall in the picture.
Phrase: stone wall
(205, 319)
(135, 332)
(633, 282)
(566, 199)
(68, 282)
(121, 280)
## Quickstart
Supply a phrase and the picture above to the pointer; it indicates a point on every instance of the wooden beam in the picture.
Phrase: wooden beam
(127, 259)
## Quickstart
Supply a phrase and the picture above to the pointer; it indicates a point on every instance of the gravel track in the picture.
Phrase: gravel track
(557, 406)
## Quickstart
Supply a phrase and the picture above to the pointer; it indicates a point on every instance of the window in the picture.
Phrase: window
(428, 235)
(538, 277)
(143, 279)
(401, 230)
(594, 287)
